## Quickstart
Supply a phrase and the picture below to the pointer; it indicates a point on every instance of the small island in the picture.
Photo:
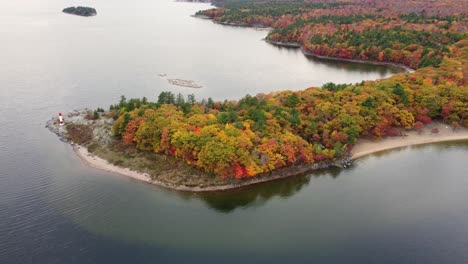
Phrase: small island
(80, 11)
(184, 83)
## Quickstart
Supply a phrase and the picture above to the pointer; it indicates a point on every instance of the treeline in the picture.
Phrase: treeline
(415, 49)
(423, 19)
(264, 13)
(261, 133)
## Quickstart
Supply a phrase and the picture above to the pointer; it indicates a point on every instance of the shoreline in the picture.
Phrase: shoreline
(366, 147)
(99, 163)
(363, 148)
(391, 64)
(233, 24)
(91, 160)
(309, 54)
(292, 45)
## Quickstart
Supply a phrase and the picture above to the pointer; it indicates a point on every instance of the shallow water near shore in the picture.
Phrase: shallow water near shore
(404, 206)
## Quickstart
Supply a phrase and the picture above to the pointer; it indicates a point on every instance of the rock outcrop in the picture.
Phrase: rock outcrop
(80, 11)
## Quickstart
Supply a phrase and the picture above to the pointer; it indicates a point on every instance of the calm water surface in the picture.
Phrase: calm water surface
(408, 206)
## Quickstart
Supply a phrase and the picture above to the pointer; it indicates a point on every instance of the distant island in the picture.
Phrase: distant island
(184, 83)
(80, 11)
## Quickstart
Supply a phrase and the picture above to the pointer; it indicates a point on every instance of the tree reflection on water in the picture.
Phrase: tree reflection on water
(259, 194)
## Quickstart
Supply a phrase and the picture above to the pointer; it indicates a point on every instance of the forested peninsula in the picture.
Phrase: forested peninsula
(197, 145)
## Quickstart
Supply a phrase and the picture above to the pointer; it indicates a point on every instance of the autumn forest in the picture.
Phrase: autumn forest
(415, 34)
(259, 134)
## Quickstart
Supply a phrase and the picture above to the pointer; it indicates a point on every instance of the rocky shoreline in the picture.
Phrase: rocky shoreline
(233, 24)
(101, 131)
(283, 44)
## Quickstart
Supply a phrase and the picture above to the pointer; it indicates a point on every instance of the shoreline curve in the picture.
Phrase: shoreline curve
(362, 149)
(366, 147)
(96, 162)
(405, 68)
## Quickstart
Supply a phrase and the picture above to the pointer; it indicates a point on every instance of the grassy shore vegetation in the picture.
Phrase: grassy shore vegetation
(260, 134)
(412, 33)
(159, 167)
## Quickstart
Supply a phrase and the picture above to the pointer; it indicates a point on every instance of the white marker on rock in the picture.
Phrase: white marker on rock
(61, 119)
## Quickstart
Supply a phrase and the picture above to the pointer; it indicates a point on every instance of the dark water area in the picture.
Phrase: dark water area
(405, 206)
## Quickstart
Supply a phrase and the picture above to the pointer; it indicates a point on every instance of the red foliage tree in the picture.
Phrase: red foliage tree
(446, 111)
(130, 130)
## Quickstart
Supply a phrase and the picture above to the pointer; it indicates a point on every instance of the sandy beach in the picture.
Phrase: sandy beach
(98, 163)
(366, 147)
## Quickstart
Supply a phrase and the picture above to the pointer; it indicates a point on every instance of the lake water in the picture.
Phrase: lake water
(406, 206)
